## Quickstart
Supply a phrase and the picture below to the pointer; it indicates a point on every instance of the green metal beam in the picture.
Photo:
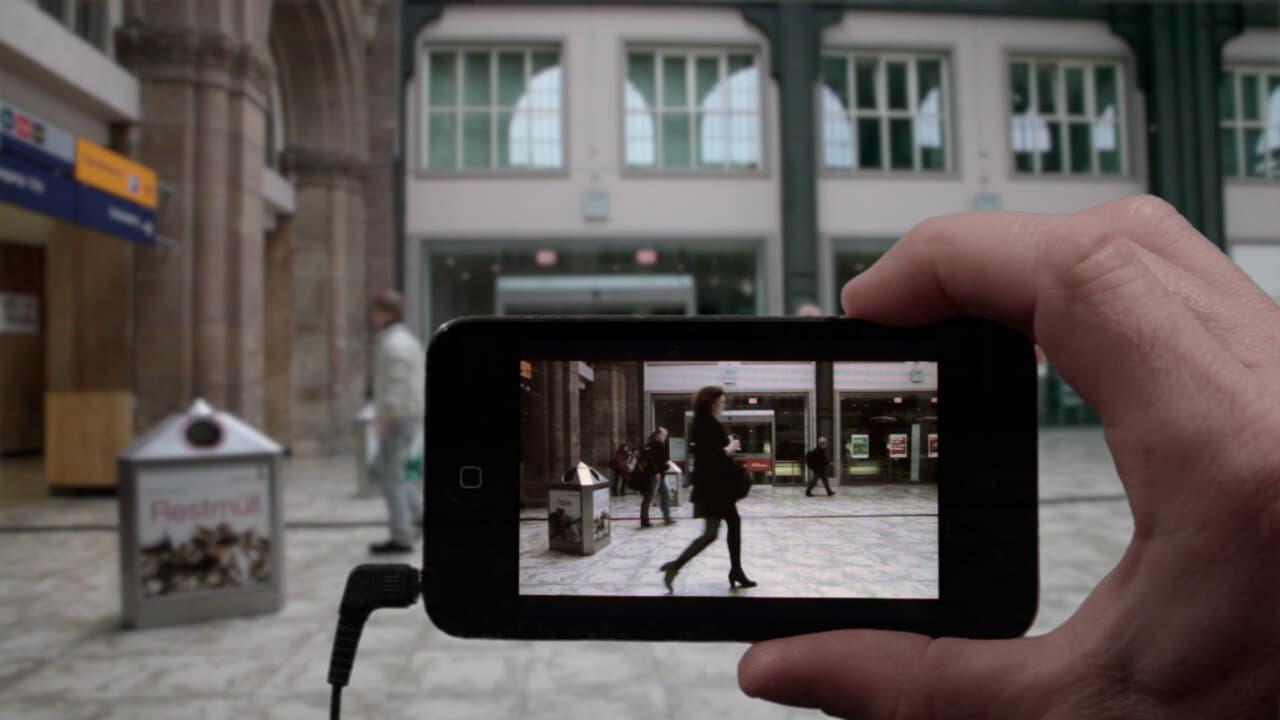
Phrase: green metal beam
(794, 31)
(1178, 51)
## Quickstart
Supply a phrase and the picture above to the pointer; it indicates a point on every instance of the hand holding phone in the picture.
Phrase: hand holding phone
(1176, 349)
(524, 538)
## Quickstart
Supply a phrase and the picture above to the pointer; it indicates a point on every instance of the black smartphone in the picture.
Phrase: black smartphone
(801, 475)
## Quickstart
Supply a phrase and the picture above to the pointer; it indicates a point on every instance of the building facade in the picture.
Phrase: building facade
(880, 419)
(750, 157)
(267, 129)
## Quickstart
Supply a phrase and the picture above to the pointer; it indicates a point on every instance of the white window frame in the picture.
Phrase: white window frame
(691, 55)
(1064, 120)
(885, 114)
(461, 108)
(1238, 125)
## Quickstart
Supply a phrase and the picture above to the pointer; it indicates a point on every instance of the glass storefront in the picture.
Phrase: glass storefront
(786, 441)
(463, 279)
(849, 258)
(888, 436)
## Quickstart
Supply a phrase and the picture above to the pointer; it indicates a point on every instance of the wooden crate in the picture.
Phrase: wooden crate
(84, 432)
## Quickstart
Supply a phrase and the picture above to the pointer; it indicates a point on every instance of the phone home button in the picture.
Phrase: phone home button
(470, 477)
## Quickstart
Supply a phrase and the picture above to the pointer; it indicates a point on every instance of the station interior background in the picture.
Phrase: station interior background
(198, 196)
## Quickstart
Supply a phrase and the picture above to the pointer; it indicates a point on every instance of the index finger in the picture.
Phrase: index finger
(1075, 284)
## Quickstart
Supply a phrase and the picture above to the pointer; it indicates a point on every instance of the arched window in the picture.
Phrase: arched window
(492, 109)
(690, 109)
(1249, 101)
(884, 112)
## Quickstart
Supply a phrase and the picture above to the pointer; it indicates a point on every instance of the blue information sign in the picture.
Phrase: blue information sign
(115, 216)
(37, 189)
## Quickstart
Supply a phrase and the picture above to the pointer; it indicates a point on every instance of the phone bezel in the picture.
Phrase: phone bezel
(988, 556)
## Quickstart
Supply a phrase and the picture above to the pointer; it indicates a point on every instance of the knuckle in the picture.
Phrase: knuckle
(933, 231)
(1086, 255)
(1151, 208)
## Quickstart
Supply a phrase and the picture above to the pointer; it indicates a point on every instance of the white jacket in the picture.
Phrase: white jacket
(399, 374)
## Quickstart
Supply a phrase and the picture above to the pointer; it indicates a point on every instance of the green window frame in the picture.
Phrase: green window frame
(1249, 112)
(692, 109)
(886, 112)
(492, 109)
(1068, 117)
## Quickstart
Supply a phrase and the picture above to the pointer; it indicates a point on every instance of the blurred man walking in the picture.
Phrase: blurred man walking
(398, 394)
(818, 463)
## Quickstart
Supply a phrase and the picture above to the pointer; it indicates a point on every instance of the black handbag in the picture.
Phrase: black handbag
(739, 479)
(638, 480)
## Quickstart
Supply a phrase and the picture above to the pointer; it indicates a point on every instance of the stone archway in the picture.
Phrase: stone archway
(317, 348)
(270, 325)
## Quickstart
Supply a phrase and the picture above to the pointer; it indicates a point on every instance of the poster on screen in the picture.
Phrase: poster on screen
(897, 445)
(206, 528)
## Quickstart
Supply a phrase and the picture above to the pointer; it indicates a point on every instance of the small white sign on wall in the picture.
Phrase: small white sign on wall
(19, 314)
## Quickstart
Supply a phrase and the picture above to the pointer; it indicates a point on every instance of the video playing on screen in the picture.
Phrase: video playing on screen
(714, 479)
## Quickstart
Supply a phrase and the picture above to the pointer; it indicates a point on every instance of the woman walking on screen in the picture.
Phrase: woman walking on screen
(716, 486)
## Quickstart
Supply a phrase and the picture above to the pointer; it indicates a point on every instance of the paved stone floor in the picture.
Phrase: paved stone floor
(870, 541)
(62, 654)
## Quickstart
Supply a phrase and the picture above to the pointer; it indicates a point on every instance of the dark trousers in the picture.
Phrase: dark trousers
(664, 500)
(619, 483)
(708, 536)
(813, 482)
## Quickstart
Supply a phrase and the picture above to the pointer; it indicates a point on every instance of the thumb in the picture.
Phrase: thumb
(879, 674)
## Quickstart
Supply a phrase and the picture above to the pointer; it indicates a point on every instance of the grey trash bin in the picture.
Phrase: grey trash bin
(672, 478)
(578, 519)
(201, 534)
(366, 450)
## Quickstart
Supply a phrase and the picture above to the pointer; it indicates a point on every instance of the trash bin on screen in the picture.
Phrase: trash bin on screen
(672, 478)
(578, 518)
(201, 535)
(366, 449)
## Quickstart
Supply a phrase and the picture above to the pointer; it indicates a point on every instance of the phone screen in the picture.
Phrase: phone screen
(821, 477)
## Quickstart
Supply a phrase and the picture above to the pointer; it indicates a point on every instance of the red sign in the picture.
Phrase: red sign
(757, 464)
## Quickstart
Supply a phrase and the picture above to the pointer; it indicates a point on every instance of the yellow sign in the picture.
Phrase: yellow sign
(115, 173)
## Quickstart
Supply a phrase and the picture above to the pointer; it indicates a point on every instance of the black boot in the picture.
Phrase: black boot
(669, 575)
(737, 577)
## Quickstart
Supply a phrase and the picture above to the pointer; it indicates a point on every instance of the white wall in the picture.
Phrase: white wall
(736, 377)
(1253, 205)
(1262, 264)
(977, 48)
(51, 107)
(884, 376)
(44, 53)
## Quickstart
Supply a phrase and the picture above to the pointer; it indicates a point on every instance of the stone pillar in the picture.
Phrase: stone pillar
(633, 420)
(609, 413)
(203, 75)
(379, 190)
(328, 325)
(558, 421)
(278, 329)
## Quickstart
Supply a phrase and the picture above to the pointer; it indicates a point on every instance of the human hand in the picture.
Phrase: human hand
(1179, 352)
